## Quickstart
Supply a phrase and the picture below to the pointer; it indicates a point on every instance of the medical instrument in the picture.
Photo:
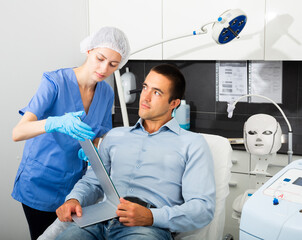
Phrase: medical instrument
(262, 135)
(71, 125)
(227, 27)
(275, 210)
(262, 139)
(231, 107)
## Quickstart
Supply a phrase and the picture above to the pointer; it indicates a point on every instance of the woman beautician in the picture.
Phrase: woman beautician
(50, 165)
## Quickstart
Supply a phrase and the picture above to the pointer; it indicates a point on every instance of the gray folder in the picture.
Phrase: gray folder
(105, 209)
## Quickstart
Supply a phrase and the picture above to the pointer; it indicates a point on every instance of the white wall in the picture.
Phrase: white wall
(35, 36)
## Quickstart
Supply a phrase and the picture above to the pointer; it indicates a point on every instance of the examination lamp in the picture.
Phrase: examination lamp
(231, 107)
(226, 28)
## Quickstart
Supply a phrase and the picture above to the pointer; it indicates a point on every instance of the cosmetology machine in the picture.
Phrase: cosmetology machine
(274, 211)
(262, 139)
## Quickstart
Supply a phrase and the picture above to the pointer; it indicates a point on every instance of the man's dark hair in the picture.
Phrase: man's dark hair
(175, 76)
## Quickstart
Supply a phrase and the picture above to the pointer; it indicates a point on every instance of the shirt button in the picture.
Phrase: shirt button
(138, 166)
(131, 190)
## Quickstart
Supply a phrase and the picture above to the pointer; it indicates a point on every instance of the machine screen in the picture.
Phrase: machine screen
(298, 181)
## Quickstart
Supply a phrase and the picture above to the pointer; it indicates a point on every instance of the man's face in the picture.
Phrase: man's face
(154, 100)
(262, 135)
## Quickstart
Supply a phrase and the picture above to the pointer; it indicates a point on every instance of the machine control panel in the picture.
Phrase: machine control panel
(287, 187)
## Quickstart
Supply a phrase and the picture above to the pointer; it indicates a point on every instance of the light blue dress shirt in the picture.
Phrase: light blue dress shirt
(171, 169)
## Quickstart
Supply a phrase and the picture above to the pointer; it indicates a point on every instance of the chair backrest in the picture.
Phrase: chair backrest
(221, 152)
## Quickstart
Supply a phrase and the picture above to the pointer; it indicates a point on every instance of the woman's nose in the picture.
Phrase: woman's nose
(104, 67)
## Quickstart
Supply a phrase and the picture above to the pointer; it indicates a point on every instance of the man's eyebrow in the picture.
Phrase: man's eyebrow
(157, 89)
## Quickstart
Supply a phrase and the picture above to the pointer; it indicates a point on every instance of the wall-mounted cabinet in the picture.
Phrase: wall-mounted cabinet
(140, 20)
(283, 39)
(271, 33)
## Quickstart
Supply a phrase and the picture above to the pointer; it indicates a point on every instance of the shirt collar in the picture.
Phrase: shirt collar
(172, 125)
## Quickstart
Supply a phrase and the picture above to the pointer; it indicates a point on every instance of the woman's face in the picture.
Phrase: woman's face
(102, 62)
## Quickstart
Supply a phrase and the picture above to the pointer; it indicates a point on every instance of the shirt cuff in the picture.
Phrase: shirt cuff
(74, 196)
(159, 218)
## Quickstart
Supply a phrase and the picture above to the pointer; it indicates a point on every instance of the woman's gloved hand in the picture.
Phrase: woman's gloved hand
(71, 125)
(82, 155)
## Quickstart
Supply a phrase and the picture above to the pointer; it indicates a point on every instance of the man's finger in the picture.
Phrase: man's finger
(121, 213)
(78, 210)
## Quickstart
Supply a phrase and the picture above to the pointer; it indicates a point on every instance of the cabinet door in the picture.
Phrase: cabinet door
(283, 36)
(140, 20)
(239, 183)
(182, 17)
(240, 161)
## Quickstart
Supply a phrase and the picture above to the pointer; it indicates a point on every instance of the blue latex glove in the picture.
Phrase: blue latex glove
(70, 124)
(82, 155)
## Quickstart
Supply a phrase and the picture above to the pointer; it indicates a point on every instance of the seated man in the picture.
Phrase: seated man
(156, 161)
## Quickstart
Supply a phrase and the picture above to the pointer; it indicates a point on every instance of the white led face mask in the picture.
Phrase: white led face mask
(262, 135)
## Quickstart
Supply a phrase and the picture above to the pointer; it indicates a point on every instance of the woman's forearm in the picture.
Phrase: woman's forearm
(28, 127)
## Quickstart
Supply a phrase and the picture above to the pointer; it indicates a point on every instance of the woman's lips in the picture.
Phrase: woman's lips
(100, 75)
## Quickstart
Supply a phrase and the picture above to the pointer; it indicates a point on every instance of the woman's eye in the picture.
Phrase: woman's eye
(267, 132)
(252, 132)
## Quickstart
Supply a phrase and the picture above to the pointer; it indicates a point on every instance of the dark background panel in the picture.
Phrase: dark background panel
(209, 116)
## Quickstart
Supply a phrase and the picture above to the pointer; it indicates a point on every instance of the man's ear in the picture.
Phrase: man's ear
(175, 103)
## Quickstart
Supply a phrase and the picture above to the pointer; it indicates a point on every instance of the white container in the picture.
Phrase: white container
(182, 115)
(128, 83)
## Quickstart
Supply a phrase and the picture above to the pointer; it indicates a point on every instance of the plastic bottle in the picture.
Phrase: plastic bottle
(182, 115)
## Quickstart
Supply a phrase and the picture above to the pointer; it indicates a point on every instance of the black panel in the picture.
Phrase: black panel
(209, 116)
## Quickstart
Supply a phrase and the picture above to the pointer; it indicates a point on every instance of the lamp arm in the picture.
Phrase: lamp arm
(255, 95)
(163, 41)
(203, 31)
(120, 93)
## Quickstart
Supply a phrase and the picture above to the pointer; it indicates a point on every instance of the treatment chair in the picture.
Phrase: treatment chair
(221, 152)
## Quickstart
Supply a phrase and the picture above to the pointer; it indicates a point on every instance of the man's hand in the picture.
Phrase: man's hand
(132, 214)
(71, 206)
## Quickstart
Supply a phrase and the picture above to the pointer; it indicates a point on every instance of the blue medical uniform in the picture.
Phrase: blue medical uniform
(50, 166)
